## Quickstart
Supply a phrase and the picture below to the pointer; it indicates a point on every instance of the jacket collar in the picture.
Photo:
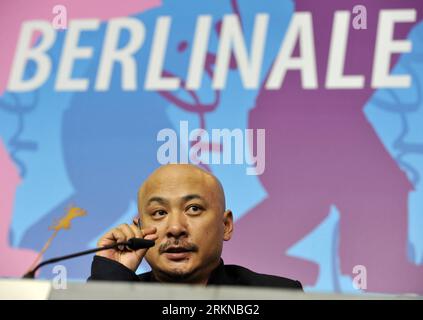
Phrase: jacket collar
(217, 277)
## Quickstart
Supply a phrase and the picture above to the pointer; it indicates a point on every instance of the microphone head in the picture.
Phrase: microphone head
(138, 243)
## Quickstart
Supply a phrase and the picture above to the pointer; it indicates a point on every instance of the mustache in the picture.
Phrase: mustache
(178, 243)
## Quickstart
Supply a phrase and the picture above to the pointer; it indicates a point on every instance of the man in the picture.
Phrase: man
(182, 208)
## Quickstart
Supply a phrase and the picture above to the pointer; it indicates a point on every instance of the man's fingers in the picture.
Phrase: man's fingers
(123, 253)
(129, 234)
(149, 233)
(124, 232)
(120, 236)
(153, 236)
(115, 235)
(138, 233)
(111, 237)
(146, 233)
(127, 231)
(149, 230)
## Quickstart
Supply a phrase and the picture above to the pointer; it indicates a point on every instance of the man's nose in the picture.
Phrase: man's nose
(176, 225)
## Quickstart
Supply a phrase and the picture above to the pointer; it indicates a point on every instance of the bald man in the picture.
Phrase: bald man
(182, 208)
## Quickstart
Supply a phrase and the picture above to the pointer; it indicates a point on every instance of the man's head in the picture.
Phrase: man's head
(187, 206)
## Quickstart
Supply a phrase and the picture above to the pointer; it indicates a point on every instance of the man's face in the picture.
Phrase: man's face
(186, 206)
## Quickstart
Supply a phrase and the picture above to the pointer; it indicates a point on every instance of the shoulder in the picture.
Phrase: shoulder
(244, 276)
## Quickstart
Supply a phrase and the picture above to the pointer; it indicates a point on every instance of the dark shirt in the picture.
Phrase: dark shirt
(232, 275)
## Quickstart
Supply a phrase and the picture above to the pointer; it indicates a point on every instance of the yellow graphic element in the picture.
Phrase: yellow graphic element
(63, 223)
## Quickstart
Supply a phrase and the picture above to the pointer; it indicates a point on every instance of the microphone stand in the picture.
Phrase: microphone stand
(133, 243)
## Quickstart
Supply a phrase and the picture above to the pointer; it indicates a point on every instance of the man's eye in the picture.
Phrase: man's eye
(194, 209)
(159, 213)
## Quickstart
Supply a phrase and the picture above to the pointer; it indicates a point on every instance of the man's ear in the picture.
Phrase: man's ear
(228, 223)
(137, 220)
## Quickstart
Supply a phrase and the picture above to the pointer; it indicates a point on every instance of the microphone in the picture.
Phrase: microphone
(133, 244)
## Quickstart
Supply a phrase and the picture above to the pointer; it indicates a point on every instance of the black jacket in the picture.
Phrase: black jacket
(109, 270)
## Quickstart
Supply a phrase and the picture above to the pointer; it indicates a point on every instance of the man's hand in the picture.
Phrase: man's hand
(129, 258)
